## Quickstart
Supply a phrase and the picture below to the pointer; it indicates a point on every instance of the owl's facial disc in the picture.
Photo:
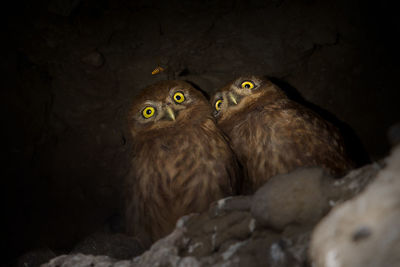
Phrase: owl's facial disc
(238, 91)
(167, 104)
(234, 96)
(176, 102)
(224, 101)
(241, 89)
(165, 111)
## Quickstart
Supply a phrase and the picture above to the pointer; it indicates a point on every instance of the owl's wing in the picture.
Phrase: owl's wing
(300, 137)
(225, 166)
(232, 168)
(133, 224)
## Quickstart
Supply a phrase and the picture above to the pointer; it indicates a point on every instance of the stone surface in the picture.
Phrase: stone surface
(363, 231)
(294, 198)
(117, 246)
(304, 196)
(35, 257)
(271, 228)
(80, 260)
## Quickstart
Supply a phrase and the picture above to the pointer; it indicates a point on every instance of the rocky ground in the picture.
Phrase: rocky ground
(280, 225)
(71, 68)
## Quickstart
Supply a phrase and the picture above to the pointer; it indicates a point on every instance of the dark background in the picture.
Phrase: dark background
(71, 67)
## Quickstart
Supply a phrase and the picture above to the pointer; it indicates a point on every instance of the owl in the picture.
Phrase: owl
(271, 134)
(181, 160)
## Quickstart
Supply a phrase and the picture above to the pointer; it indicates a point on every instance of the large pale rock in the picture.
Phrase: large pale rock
(305, 195)
(364, 231)
(294, 198)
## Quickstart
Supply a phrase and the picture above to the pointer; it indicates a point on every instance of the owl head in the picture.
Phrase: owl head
(244, 92)
(167, 104)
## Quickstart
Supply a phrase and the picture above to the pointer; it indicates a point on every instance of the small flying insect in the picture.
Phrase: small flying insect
(157, 70)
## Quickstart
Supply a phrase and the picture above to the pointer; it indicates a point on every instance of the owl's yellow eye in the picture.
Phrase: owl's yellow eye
(247, 85)
(179, 97)
(218, 104)
(148, 112)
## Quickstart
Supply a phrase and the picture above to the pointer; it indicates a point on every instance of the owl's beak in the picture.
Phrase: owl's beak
(232, 98)
(170, 113)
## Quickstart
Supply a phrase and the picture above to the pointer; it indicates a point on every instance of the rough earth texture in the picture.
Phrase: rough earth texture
(271, 228)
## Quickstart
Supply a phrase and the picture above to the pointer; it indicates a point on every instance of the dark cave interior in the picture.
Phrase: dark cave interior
(71, 68)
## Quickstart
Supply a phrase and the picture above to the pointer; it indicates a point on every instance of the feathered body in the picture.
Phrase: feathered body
(272, 134)
(182, 161)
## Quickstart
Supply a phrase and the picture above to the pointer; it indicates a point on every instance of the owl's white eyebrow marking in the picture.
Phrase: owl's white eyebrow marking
(218, 96)
(181, 87)
(178, 89)
(149, 102)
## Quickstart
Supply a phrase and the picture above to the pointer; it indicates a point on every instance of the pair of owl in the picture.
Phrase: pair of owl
(189, 153)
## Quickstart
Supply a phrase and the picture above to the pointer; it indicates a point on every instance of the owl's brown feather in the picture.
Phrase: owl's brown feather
(272, 134)
(179, 167)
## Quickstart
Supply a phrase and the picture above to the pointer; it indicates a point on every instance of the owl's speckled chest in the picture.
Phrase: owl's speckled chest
(180, 173)
(251, 139)
(176, 159)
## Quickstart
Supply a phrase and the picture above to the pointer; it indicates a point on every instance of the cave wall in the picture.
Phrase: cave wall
(72, 67)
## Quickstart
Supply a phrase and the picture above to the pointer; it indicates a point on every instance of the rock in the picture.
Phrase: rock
(35, 257)
(117, 246)
(363, 231)
(294, 198)
(340, 190)
(271, 228)
(208, 234)
(295, 245)
(303, 196)
(80, 260)
(238, 203)
(164, 252)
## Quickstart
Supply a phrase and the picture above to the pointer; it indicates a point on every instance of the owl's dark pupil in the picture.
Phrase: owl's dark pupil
(247, 86)
(219, 104)
(178, 97)
(148, 111)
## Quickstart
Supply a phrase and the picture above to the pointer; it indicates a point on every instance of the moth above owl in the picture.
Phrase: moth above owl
(272, 134)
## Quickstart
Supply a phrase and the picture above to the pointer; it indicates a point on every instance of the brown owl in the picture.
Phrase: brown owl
(181, 160)
(272, 134)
